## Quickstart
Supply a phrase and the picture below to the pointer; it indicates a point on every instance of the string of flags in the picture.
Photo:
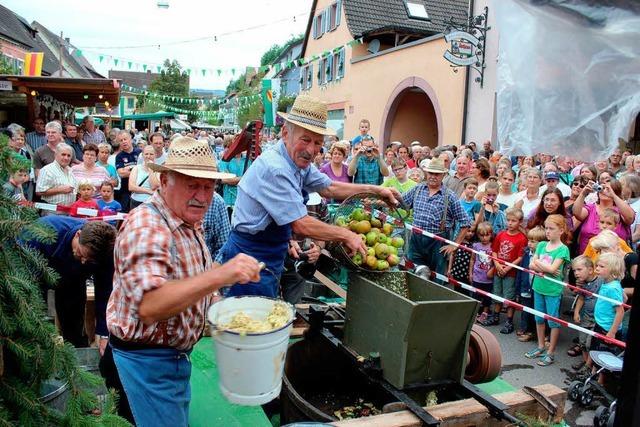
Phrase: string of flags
(133, 65)
(241, 100)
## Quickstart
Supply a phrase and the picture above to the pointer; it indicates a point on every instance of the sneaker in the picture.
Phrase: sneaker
(546, 360)
(507, 328)
(482, 317)
(535, 353)
(492, 320)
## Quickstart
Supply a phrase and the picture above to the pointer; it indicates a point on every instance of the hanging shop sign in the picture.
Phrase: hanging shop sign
(6, 85)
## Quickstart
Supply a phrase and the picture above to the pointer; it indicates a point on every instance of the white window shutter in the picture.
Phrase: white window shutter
(314, 34)
(338, 12)
(327, 20)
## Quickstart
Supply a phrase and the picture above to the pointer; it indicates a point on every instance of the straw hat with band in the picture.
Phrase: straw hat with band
(192, 158)
(309, 113)
(436, 166)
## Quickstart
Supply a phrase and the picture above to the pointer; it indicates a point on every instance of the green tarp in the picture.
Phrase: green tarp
(149, 116)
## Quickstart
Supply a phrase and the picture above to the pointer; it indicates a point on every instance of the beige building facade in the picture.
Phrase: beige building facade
(396, 78)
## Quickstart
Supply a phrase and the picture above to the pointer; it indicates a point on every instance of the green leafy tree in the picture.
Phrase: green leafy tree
(31, 351)
(6, 67)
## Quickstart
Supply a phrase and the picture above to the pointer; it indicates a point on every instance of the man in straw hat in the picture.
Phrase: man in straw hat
(436, 209)
(163, 284)
(270, 207)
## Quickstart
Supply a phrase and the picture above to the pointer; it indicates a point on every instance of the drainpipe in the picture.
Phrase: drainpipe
(466, 90)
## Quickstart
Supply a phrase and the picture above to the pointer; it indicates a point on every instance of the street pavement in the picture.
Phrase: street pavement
(520, 371)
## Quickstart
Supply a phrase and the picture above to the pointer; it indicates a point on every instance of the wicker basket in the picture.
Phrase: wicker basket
(370, 203)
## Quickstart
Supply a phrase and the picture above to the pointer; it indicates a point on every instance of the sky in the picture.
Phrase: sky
(105, 29)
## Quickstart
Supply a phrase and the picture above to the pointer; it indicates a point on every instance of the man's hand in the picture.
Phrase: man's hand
(240, 269)
(66, 189)
(447, 250)
(355, 244)
(102, 345)
(294, 249)
(576, 316)
(390, 194)
(314, 253)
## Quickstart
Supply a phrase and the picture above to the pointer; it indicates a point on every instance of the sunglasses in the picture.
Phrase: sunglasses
(578, 184)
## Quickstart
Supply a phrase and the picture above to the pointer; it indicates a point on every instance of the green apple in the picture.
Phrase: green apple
(372, 238)
(397, 242)
(382, 251)
(357, 259)
(393, 260)
(382, 265)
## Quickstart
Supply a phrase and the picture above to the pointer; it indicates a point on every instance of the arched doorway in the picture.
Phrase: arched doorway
(412, 114)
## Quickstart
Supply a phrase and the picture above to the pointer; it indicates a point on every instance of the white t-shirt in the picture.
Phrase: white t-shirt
(509, 200)
(529, 205)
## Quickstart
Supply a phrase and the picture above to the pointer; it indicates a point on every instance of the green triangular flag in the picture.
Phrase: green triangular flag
(115, 61)
(101, 57)
(144, 67)
(204, 72)
(290, 64)
(233, 71)
(277, 67)
(159, 67)
(78, 52)
(129, 64)
(219, 72)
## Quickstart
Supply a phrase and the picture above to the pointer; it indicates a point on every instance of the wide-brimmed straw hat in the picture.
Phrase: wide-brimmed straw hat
(436, 166)
(309, 113)
(192, 158)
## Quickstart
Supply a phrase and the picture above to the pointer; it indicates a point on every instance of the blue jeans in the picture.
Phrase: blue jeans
(424, 250)
(548, 305)
(156, 382)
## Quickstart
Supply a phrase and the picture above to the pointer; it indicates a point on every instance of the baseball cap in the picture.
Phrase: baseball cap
(551, 175)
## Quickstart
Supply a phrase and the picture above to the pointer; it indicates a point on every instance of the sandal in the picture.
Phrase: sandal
(520, 333)
(547, 360)
(536, 352)
(574, 351)
(526, 337)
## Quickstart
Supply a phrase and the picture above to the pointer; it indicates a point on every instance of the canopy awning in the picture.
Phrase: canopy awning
(177, 124)
(74, 91)
(201, 125)
(79, 117)
(149, 116)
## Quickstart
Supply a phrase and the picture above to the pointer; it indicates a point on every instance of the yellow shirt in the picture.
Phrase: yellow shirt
(592, 254)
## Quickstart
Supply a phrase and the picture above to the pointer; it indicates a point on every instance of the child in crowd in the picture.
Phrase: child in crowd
(480, 265)
(86, 200)
(550, 259)
(468, 199)
(400, 181)
(607, 315)
(490, 211)
(13, 187)
(364, 127)
(506, 197)
(106, 203)
(609, 242)
(460, 261)
(583, 269)
(508, 246)
(523, 284)
(609, 220)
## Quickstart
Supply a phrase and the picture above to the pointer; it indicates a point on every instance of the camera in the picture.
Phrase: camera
(597, 187)
(369, 150)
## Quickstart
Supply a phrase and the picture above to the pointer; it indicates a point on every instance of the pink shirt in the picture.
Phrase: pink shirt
(326, 169)
(591, 227)
(96, 176)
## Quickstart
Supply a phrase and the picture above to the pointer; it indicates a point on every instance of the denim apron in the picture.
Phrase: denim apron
(269, 246)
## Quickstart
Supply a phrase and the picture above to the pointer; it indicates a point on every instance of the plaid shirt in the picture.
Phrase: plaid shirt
(428, 210)
(368, 171)
(216, 225)
(95, 137)
(153, 247)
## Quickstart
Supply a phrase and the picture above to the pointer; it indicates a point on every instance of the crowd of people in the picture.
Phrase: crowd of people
(560, 219)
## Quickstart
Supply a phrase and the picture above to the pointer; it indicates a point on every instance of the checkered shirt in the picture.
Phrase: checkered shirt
(53, 175)
(368, 171)
(153, 247)
(428, 210)
(216, 225)
(95, 137)
(35, 140)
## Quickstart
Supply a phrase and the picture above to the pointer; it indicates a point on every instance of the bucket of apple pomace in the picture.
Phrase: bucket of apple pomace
(250, 337)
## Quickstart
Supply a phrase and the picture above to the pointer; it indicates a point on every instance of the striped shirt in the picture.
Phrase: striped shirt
(153, 247)
(429, 210)
(95, 137)
(95, 176)
(35, 140)
(53, 175)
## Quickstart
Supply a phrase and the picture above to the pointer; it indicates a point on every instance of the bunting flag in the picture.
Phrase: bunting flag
(33, 64)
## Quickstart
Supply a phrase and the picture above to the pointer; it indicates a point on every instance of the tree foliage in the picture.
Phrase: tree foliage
(31, 351)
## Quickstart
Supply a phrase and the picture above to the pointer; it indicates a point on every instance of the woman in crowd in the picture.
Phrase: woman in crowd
(104, 151)
(529, 198)
(416, 174)
(481, 171)
(336, 169)
(503, 165)
(590, 172)
(589, 214)
(88, 170)
(576, 187)
(631, 194)
(143, 181)
(551, 203)
(403, 153)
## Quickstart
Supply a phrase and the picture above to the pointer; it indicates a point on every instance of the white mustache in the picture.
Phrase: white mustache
(305, 156)
(196, 204)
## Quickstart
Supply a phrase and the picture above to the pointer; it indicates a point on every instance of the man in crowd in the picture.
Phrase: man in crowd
(487, 150)
(552, 180)
(368, 166)
(46, 154)
(164, 283)
(564, 169)
(81, 249)
(36, 138)
(71, 138)
(56, 184)
(156, 140)
(436, 209)
(92, 134)
(615, 163)
(216, 225)
(456, 182)
(126, 160)
(271, 198)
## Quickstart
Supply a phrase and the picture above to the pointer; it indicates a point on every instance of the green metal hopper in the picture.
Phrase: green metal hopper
(420, 329)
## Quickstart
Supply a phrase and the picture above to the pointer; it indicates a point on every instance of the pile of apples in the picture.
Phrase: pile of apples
(382, 249)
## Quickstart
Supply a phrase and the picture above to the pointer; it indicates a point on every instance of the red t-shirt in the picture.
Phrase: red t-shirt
(91, 204)
(509, 247)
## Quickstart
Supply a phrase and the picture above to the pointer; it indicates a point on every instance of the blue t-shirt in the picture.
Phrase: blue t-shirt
(114, 206)
(604, 311)
(471, 208)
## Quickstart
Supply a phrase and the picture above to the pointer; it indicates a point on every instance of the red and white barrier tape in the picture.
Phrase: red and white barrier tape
(520, 307)
(92, 214)
(384, 217)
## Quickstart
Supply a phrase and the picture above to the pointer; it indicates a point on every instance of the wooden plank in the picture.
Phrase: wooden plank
(329, 284)
(297, 332)
(469, 412)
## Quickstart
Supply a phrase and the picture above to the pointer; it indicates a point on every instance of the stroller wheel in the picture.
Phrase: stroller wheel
(601, 416)
(586, 396)
(574, 391)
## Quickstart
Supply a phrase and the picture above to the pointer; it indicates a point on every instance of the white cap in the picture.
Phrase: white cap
(425, 163)
(396, 143)
(415, 143)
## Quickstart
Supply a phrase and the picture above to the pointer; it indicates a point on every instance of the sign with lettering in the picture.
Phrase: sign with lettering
(6, 85)
(463, 48)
